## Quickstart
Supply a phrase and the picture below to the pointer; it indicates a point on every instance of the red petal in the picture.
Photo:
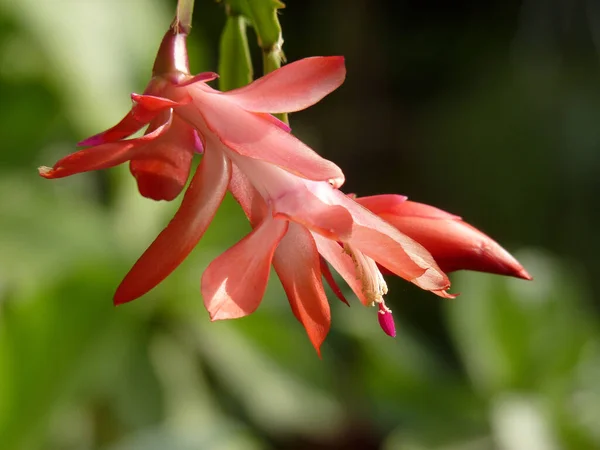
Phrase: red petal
(454, 244)
(297, 264)
(234, 284)
(331, 281)
(293, 87)
(144, 110)
(176, 241)
(163, 167)
(103, 156)
(252, 136)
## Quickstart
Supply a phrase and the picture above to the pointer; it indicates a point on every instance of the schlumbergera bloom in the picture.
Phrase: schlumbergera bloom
(453, 243)
(176, 106)
(299, 213)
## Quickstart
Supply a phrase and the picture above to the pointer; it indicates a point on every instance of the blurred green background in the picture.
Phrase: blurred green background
(486, 109)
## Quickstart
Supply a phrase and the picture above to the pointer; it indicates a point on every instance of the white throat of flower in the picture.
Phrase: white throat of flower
(371, 279)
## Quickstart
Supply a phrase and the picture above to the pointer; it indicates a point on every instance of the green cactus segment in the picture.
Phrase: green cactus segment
(235, 64)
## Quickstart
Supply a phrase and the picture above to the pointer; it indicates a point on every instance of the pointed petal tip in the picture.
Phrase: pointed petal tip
(120, 299)
(445, 294)
(45, 171)
(520, 272)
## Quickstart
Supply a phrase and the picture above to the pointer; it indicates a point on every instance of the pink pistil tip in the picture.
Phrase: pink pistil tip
(386, 321)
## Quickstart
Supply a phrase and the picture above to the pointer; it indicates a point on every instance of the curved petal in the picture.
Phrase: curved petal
(392, 249)
(275, 121)
(203, 77)
(247, 196)
(154, 104)
(390, 204)
(331, 281)
(144, 110)
(163, 167)
(454, 244)
(234, 284)
(253, 136)
(293, 87)
(297, 264)
(103, 156)
(176, 241)
(342, 263)
(302, 206)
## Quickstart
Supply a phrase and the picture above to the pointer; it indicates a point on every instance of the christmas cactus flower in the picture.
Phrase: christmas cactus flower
(298, 223)
(453, 243)
(183, 114)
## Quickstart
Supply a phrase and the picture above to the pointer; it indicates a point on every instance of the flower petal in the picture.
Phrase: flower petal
(392, 249)
(176, 241)
(234, 284)
(454, 244)
(297, 264)
(293, 87)
(302, 206)
(253, 136)
(331, 281)
(144, 110)
(342, 263)
(203, 77)
(103, 156)
(274, 120)
(163, 168)
(247, 196)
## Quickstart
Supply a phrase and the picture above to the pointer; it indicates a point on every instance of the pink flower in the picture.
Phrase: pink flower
(297, 222)
(453, 243)
(177, 107)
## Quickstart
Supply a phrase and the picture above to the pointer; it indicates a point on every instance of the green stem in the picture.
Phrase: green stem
(183, 19)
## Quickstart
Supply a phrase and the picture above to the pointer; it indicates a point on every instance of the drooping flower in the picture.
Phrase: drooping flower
(183, 114)
(297, 223)
(453, 243)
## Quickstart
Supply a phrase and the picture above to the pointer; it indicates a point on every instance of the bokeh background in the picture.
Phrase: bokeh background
(489, 110)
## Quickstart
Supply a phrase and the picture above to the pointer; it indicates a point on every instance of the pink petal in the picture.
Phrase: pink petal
(247, 196)
(203, 77)
(454, 244)
(234, 284)
(202, 198)
(390, 204)
(331, 281)
(302, 206)
(392, 249)
(254, 137)
(297, 264)
(153, 104)
(293, 87)
(342, 263)
(275, 121)
(103, 156)
(386, 321)
(145, 108)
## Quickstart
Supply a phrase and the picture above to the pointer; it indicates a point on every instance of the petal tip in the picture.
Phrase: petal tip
(45, 171)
